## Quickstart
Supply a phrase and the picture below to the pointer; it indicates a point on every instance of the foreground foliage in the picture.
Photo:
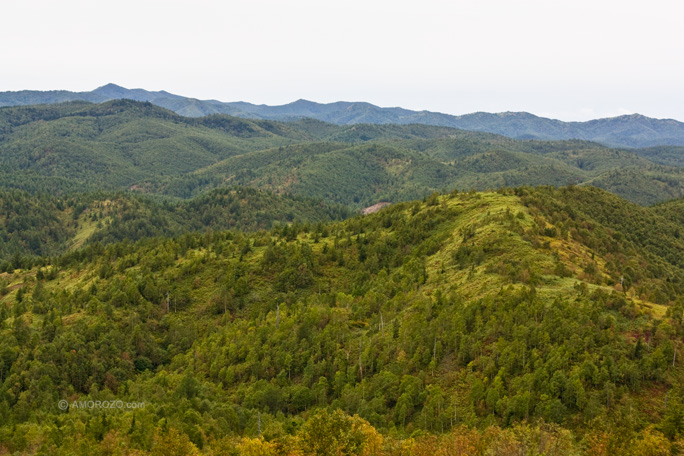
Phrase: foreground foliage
(527, 321)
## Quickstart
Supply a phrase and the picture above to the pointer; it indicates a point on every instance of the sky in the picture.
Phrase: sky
(570, 60)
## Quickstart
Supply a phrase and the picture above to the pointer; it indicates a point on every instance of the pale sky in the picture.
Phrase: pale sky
(572, 60)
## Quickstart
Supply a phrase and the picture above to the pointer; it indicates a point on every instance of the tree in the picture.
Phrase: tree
(256, 447)
(173, 443)
(651, 443)
(336, 433)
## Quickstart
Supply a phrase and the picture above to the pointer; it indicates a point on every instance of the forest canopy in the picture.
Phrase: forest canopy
(529, 320)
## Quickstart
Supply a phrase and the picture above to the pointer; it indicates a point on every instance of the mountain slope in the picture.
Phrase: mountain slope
(480, 310)
(40, 225)
(623, 131)
(117, 144)
(79, 147)
(362, 174)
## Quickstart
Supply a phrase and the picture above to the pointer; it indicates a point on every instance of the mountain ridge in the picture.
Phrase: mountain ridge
(633, 130)
(79, 147)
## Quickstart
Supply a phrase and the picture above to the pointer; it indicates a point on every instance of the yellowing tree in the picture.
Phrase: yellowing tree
(651, 443)
(256, 447)
(173, 443)
(338, 434)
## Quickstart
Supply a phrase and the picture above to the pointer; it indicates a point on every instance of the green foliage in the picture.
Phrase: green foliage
(43, 225)
(73, 148)
(467, 310)
(331, 434)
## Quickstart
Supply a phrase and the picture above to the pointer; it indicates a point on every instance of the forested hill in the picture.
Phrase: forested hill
(79, 147)
(524, 321)
(623, 131)
(41, 225)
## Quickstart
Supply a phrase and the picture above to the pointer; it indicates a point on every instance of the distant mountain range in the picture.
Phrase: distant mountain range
(623, 131)
(76, 147)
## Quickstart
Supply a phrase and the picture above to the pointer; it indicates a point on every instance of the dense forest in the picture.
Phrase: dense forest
(523, 321)
(123, 145)
(174, 285)
(32, 226)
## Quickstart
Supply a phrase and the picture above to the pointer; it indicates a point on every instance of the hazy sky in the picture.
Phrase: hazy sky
(572, 60)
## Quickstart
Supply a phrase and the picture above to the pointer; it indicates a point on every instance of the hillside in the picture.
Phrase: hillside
(72, 148)
(85, 147)
(525, 321)
(623, 131)
(40, 225)
(361, 174)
